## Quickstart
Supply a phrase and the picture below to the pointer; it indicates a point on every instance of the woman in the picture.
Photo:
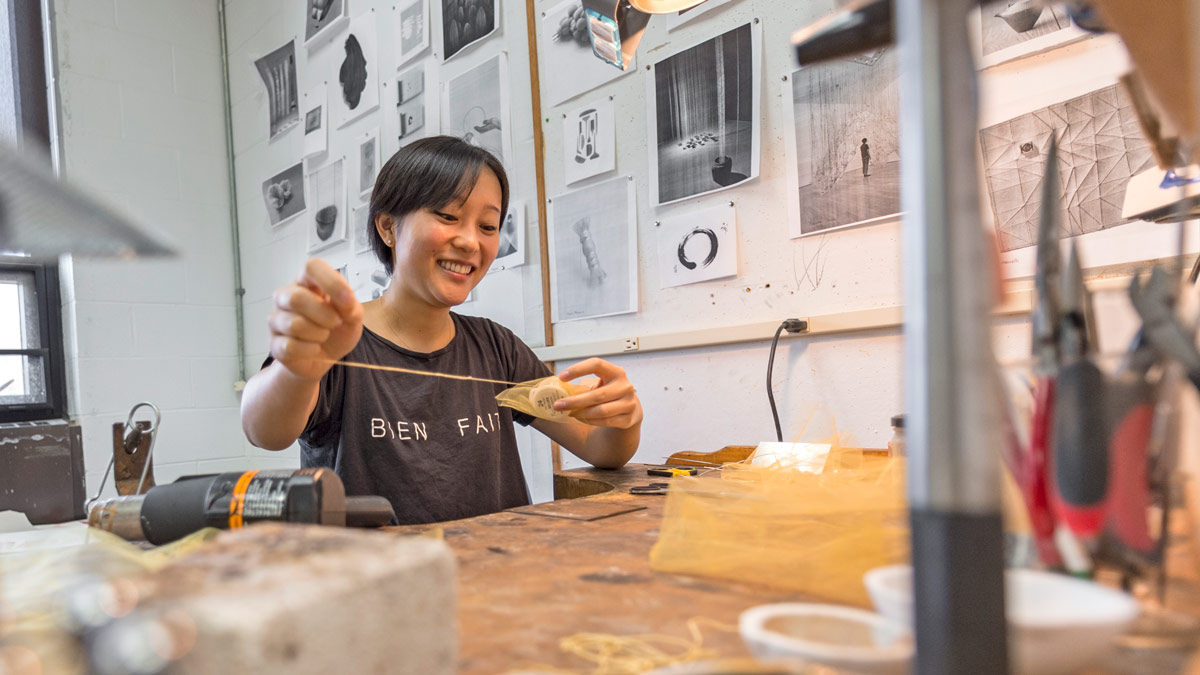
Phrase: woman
(437, 448)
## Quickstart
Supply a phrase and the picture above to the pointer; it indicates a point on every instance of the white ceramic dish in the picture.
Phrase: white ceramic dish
(831, 635)
(1057, 624)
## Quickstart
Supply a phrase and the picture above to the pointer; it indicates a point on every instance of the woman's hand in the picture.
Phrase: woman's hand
(316, 321)
(611, 401)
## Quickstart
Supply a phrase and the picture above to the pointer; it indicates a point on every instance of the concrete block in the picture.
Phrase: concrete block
(184, 330)
(99, 12)
(192, 435)
(181, 22)
(212, 382)
(112, 385)
(275, 598)
(198, 74)
(140, 280)
(103, 329)
(90, 106)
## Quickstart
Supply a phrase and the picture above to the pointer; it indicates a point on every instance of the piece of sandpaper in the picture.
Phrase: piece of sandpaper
(578, 509)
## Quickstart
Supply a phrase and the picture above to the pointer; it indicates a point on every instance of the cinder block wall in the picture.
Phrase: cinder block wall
(143, 126)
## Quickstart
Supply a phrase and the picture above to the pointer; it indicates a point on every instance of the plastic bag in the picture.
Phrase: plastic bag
(813, 533)
(537, 397)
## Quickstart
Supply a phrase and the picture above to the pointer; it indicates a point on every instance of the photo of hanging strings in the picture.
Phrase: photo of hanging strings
(704, 116)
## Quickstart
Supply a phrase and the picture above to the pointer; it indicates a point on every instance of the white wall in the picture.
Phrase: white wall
(142, 125)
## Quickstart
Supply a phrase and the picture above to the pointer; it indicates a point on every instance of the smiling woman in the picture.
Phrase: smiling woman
(437, 448)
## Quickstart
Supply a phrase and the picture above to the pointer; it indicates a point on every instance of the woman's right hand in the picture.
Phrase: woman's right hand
(316, 321)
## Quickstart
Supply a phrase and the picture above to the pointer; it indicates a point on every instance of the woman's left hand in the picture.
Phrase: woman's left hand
(611, 401)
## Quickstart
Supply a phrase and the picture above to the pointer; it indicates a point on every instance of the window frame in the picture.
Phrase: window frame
(49, 315)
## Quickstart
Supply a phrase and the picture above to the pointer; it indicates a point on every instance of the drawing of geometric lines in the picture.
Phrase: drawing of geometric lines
(1100, 147)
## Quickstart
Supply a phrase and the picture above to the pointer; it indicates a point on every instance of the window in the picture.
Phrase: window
(32, 372)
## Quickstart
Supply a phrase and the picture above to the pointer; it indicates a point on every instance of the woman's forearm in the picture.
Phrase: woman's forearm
(276, 405)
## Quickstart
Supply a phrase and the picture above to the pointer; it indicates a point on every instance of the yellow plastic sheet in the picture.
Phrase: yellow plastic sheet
(813, 533)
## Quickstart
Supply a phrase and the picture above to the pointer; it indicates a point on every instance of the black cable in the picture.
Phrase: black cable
(792, 326)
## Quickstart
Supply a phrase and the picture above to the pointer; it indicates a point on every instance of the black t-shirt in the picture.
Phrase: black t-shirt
(438, 448)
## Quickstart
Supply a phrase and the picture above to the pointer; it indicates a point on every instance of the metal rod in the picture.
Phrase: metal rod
(952, 410)
(239, 292)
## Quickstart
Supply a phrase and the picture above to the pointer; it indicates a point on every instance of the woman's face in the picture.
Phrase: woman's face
(441, 254)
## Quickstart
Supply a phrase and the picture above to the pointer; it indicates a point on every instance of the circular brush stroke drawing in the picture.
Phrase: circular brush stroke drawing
(681, 252)
(353, 73)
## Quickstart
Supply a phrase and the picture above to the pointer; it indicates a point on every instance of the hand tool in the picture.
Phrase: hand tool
(670, 471)
(650, 489)
(231, 500)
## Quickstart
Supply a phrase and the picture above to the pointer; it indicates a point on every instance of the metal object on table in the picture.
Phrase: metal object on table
(132, 439)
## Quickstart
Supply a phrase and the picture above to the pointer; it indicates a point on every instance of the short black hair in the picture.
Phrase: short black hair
(428, 174)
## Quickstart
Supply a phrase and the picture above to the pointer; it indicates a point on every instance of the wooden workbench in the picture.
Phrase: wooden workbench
(527, 581)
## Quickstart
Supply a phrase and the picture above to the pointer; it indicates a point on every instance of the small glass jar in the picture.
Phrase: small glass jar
(896, 442)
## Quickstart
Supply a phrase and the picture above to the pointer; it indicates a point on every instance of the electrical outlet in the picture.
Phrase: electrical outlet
(631, 344)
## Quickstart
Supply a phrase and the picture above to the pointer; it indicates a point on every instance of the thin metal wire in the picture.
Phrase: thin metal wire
(371, 366)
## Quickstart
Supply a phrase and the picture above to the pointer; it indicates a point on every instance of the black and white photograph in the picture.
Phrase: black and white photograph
(593, 251)
(322, 19)
(465, 22)
(316, 126)
(697, 246)
(278, 72)
(475, 107)
(412, 105)
(568, 65)
(704, 116)
(1100, 148)
(412, 30)
(681, 17)
(511, 252)
(359, 215)
(368, 279)
(1009, 29)
(368, 162)
(283, 194)
(843, 142)
(327, 206)
(589, 141)
(357, 78)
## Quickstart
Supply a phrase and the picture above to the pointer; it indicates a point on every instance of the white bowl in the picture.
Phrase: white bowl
(841, 637)
(1057, 624)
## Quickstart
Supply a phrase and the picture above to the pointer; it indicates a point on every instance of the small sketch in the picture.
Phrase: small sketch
(465, 22)
(322, 18)
(697, 246)
(589, 141)
(368, 163)
(843, 142)
(476, 107)
(511, 252)
(359, 217)
(1100, 148)
(412, 27)
(410, 102)
(566, 57)
(704, 116)
(358, 71)
(278, 72)
(284, 194)
(369, 283)
(316, 135)
(327, 193)
(814, 265)
(593, 251)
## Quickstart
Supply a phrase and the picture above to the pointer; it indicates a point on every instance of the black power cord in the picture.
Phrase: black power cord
(791, 326)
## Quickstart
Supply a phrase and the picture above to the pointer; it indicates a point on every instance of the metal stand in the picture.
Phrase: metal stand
(951, 406)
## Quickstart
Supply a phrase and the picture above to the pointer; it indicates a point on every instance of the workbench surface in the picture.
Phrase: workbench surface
(528, 581)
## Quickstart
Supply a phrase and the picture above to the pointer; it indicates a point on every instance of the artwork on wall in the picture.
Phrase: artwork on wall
(1009, 29)
(475, 107)
(697, 246)
(278, 72)
(704, 117)
(566, 55)
(368, 163)
(412, 113)
(368, 279)
(327, 197)
(511, 252)
(589, 143)
(465, 22)
(681, 17)
(283, 194)
(412, 30)
(843, 142)
(357, 77)
(322, 19)
(316, 124)
(1100, 148)
(593, 251)
(359, 216)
